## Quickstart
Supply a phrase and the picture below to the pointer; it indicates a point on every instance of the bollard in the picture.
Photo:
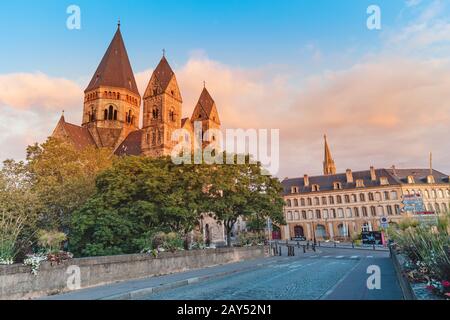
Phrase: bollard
(353, 244)
(298, 244)
(319, 243)
(335, 244)
(293, 251)
(304, 249)
(280, 250)
(314, 248)
(307, 244)
(374, 246)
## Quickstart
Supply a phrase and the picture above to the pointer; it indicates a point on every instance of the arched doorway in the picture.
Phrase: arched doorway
(321, 231)
(298, 232)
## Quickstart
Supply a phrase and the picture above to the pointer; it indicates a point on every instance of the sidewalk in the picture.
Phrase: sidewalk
(145, 286)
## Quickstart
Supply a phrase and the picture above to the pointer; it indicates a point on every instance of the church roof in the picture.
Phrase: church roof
(163, 73)
(206, 105)
(115, 68)
(79, 136)
(131, 146)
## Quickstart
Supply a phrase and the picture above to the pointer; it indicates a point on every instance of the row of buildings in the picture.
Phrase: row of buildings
(341, 205)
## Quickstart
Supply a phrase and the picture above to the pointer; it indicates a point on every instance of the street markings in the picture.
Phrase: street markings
(354, 257)
(339, 257)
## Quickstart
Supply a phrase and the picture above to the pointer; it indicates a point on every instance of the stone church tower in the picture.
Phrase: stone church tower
(112, 105)
(162, 111)
(329, 168)
(111, 100)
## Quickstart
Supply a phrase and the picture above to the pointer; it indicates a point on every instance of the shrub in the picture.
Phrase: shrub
(426, 247)
(51, 241)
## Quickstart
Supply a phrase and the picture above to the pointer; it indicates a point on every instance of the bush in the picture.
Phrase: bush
(51, 241)
(426, 247)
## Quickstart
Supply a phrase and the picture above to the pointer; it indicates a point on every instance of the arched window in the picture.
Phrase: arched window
(347, 198)
(318, 215)
(356, 210)
(316, 201)
(309, 202)
(105, 114)
(115, 114)
(172, 115)
(155, 113)
(302, 202)
(371, 198)
(288, 202)
(397, 209)
(110, 113)
(295, 203)
(339, 199)
(333, 213)
(331, 199)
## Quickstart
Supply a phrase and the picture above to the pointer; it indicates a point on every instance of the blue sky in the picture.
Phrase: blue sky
(306, 67)
(242, 33)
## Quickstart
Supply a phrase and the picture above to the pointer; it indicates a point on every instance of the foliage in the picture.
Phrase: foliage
(51, 241)
(250, 239)
(426, 247)
(34, 260)
(63, 178)
(17, 211)
(135, 197)
(239, 188)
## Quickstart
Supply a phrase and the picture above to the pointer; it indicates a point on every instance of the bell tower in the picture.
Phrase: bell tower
(162, 111)
(111, 100)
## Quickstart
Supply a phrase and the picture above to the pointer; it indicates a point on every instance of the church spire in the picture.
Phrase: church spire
(329, 167)
(115, 68)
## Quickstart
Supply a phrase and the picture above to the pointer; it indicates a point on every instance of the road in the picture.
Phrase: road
(329, 273)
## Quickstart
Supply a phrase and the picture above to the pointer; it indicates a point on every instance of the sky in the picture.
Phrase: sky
(305, 67)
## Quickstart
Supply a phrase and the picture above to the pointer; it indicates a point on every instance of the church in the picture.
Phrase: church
(112, 109)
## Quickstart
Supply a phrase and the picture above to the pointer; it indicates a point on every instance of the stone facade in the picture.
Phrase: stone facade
(339, 206)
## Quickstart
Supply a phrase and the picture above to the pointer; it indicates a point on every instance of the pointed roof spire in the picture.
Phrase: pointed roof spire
(329, 167)
(163, 72)
(118, 24)
(115, 68)
(206, 105)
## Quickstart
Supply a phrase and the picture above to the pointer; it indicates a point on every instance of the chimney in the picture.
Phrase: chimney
(349, 175)
(306, 180)
(373, 175)
(393, 170)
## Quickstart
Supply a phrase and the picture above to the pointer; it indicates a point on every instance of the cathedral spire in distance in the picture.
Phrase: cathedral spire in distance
(329, 167)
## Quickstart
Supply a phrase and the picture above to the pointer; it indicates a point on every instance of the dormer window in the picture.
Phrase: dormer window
(315, 188)
(430, 179)
(411, 179)
(294, 189)
(384, 181)
(360, 183)
(337, 186)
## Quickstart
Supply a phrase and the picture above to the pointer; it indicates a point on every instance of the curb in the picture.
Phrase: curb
(140, 293)
(408, 292)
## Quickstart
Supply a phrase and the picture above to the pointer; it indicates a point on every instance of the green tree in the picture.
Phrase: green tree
(63, 178)
(135, 198)
(237, 189)
(17, 210)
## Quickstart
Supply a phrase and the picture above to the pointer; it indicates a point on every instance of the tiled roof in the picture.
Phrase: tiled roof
(205, 105)
(326, 182)
(79, 136)
(131, 146)
(115, 68)
(163, 73)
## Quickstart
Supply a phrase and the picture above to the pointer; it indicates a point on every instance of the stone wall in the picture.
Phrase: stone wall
(17, 282)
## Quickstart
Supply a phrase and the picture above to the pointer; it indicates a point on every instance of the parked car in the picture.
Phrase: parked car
(299, 238)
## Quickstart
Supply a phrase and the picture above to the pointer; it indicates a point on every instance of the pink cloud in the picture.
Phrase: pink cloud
(30, 90)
